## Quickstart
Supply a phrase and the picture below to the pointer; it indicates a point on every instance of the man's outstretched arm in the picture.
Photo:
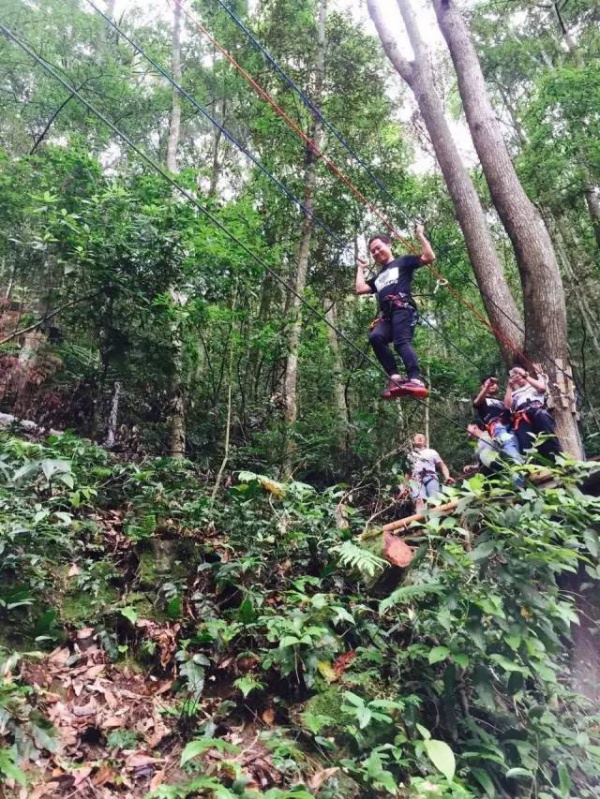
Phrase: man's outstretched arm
(361, 286)
(427, 254)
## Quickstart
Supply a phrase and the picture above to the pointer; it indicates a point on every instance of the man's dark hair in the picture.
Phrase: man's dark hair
(487, 377)
(385, 239)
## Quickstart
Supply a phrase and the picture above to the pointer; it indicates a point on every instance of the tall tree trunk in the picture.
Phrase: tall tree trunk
(113, 418)
(339, 389)
(543, 292)
(177, 431)
(303, 252)
(175, 118)
(497, 298)
(592, 201)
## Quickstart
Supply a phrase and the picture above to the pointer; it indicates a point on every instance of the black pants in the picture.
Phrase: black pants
(541, 422)
(399, 329)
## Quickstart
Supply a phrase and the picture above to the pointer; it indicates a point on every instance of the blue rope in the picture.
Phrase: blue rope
(379, 183)
(315, 110)
(230, 136)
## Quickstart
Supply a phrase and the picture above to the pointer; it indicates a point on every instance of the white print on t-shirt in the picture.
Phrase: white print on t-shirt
(423, 460)
(387, 277)
(525, 394)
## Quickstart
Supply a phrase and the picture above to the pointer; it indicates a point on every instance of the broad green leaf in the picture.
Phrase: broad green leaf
(482, 551)
(517, 773)
(591, 541)
(442, 757)
(423, 731)
(9, 768)
(288, 640)
(484, 779)
(564, 781)
(438, 653)
(201, 745)
(130, 613)
(247, 684)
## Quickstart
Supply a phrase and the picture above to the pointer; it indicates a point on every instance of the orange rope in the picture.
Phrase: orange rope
(263, 94)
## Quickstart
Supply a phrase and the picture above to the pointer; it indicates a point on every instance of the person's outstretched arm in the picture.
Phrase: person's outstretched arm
(427, 254)
(361, 286)
(445, 471)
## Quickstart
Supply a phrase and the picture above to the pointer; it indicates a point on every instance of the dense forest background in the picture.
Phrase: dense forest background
(161, 334)
(194, 456)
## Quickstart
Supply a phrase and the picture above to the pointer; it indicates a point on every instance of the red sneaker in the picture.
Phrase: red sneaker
(414, 388)
(394, 387)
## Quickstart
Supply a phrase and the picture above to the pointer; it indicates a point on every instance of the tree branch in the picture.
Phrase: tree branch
(46, 317)
(389, 43)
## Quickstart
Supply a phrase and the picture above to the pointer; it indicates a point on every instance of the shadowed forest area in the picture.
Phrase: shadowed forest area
(197, 593)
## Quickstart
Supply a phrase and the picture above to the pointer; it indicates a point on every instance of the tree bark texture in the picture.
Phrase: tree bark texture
(290, 384)
(177, 431)
(543, 291)
(498, 301)
(175, 118)
(339, 391)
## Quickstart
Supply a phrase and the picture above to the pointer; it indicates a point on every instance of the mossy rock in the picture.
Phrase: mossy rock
(329, 703)
(159, 558)
(80, 607)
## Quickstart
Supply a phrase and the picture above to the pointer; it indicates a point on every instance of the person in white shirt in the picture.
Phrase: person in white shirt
(423, 479)
(526, 399)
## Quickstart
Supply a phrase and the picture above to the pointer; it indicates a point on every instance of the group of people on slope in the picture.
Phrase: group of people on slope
(510, 426)
(506, 429)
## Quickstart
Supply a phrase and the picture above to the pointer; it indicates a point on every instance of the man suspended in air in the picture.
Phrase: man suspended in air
(398, 313)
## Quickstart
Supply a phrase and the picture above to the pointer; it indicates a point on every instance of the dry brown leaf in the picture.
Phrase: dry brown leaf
(112, 722)
(137, 761)
(74, 570)
(157, 779)
(94, 671)
(77, 688)
(268, 716)
(164, 687)
(111, 699)
(103, 775)
(80, 774)
(83, 711)
(160, 732)
(59, 657)
(320, 777)
(396, 551)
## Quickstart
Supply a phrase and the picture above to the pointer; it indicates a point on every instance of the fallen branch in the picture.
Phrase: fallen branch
(46, 317)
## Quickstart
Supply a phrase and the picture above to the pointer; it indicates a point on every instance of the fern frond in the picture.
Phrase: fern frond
(358, 558)
(408, 593)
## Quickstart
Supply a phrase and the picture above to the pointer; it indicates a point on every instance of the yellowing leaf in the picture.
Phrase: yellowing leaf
(327, 671)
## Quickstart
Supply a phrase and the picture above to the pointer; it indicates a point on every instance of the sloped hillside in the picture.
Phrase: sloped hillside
(158, 642)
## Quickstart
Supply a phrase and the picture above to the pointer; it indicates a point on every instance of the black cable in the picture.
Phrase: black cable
(378, 182)
(253, 158)
(50, 69)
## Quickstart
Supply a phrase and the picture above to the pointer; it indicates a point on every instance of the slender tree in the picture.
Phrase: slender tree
(498, 300)
(543, 292)
(303, 250)
(177, 432)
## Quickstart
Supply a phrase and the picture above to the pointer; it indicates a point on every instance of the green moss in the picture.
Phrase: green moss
(80, 607)
(170, 559)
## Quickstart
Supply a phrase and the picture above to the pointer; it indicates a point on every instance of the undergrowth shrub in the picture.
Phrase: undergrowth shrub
(457, 685)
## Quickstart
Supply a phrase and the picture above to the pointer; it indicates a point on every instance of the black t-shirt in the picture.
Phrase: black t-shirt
(491, 408)
(395, 277)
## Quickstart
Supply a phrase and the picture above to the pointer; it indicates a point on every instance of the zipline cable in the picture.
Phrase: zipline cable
(316, 111)
(342, 176)
(343, 246)
(190, 197)
(227, 133)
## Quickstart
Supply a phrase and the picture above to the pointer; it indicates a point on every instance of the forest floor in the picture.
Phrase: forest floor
(117, 729)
